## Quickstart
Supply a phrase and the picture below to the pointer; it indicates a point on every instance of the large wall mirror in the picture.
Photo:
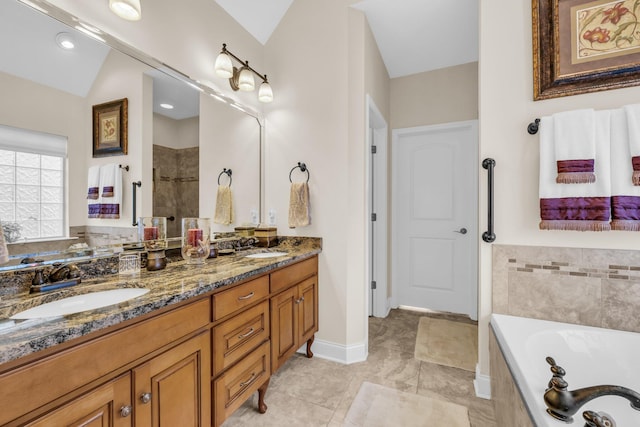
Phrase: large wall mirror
(177, 153)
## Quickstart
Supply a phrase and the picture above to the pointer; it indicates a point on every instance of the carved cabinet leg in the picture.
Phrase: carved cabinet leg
(262, 407)
(309, 343)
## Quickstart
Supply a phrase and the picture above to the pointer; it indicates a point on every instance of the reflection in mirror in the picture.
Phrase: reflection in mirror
(55, 94)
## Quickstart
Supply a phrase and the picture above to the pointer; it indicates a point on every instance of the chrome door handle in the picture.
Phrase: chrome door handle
(461, 231)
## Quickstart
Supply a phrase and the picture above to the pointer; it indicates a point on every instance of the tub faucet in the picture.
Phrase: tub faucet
(597, 419)
(562, 404)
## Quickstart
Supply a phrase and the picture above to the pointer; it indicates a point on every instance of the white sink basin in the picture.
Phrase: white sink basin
(267, 255)
(79, 303)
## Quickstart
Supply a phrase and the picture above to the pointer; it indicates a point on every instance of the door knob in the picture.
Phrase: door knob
(461, 231)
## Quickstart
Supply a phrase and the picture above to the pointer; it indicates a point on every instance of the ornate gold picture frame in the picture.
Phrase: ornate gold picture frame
(584, 46)
(110, 131)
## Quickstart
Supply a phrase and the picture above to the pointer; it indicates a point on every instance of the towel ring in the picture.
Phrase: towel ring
(303, 168)
(228, 173)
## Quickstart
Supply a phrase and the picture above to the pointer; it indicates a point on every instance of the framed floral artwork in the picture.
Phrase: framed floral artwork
(110, 131)
(584, 46)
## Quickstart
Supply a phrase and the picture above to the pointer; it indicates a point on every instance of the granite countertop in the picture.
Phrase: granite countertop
(178, 282)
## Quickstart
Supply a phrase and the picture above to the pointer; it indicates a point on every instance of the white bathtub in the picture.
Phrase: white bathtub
(584, 352)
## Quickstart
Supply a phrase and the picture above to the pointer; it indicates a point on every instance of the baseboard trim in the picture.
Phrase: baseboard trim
(345, 354)
(482, 384)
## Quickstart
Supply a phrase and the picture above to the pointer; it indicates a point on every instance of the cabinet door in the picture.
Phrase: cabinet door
(307, 306)
(173, 388)
(108, 405)
(284, 327)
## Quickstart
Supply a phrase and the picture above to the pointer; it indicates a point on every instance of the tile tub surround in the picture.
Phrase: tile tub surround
(594, 287)
(177, 283)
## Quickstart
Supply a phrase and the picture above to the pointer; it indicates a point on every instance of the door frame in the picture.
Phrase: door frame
(395, 135)
(377, 130)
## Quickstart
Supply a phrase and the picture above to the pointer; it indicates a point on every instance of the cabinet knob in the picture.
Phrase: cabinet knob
(125, 411)
(145, 397)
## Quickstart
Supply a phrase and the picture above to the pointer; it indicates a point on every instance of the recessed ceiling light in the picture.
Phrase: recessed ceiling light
(167, 106)
(65, 41)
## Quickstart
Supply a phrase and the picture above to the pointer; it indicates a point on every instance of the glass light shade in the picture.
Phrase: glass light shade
(246, 82)
(265, 94)
(126, 9)
(223, 66)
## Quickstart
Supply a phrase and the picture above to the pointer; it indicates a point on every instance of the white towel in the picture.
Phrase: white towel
(93, 182)
(632, 113)
(299, 205)
(110, 191)
(574, 144)
(94, 202)
(582, 207)
(625, 196)
(224, 205)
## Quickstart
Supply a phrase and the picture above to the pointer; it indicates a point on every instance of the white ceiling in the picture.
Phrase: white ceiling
(413, 35)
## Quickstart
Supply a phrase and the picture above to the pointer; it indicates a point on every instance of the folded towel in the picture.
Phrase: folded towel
(93, 182)
(4, 252)
(224, 206)
(632, 113)
(625, 196)
(108, 175)
(111, 196)
(582, 207)
(299, 206)
(574, 144)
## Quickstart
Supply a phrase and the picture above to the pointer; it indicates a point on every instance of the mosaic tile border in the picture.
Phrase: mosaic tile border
(618, 272)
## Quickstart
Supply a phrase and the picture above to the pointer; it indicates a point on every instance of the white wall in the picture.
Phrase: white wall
(506, 107)
(174, 133)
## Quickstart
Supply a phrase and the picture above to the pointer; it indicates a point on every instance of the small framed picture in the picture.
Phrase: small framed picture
(110, 128)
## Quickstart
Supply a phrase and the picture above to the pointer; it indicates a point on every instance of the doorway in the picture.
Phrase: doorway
(435, 219)
(377, 210)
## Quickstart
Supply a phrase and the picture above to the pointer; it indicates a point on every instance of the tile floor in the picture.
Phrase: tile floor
(317, 392)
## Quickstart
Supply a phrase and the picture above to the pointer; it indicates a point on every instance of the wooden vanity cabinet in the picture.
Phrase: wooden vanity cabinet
(103, 381)
(294, 310)
(108, 405)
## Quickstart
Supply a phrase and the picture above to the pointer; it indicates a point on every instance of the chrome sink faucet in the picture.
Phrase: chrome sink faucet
(562, 404)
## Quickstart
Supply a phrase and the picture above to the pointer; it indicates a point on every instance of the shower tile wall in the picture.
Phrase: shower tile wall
(596, 287)
(175, 185)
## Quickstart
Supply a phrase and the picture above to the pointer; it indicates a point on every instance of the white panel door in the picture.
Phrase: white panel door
(435, 217)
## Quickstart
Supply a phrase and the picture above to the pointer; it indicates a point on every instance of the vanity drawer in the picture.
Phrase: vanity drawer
(293, 274)
(236, 385)
(236, 337)
(238, 297)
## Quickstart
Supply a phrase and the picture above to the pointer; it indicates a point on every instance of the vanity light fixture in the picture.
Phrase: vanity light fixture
(126, 9)
(65, 41)
(242, 78)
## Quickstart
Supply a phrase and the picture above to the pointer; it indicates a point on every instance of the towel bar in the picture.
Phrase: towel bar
(228, 173)
(134, 184)
(303, 168)
(489, 236)
(533, 127)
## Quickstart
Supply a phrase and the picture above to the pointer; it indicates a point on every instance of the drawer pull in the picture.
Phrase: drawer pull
(249, 381)
(125, 411)
(241, 336)
(249, 295)
(145, 397)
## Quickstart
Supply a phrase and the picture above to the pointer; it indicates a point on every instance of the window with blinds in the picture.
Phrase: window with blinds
(32, 185)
